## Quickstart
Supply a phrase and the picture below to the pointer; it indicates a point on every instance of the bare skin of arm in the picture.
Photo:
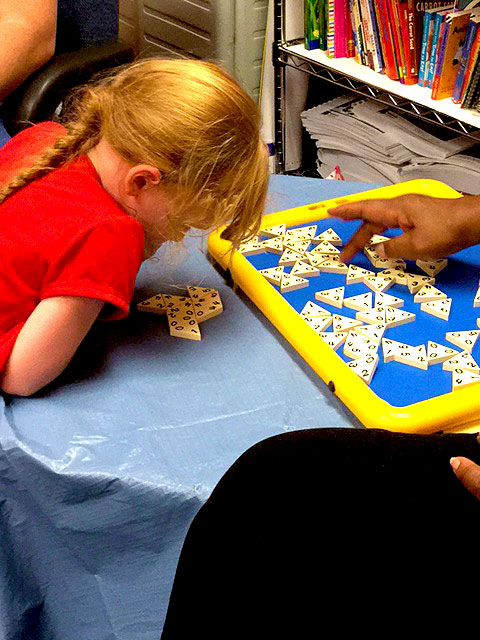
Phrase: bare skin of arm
(27, 39)
(47, 342)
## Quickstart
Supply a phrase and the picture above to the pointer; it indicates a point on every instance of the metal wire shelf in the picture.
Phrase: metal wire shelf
(283, 56)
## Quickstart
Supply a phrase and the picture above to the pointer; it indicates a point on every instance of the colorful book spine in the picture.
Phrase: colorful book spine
(413, 40)
(311, 32)
(372, 52)
(394, 15)
(462, 67)
(408, 40)
(438, 21)
(423, 53)
(419, 10)
(376, 36)
(357, 32)
(471, 93)
(340, 32)
(429, 51)
(456, 27)
(386, 41)
(471, 65)
(441, 48)
(322, 24)
(349, 30)
(331, 29)
(366, 59)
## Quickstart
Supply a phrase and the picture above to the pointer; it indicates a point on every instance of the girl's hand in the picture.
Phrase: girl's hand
(432, 227)
(468, 473)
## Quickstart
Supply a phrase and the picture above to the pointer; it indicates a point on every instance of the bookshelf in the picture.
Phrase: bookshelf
(289, 53)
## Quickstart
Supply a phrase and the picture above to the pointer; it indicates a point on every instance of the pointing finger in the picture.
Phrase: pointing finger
(359, 239)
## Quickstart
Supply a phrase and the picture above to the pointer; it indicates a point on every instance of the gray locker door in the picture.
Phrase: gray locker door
(230, 32)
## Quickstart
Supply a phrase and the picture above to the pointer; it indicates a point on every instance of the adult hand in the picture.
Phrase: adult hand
(468, 473)
(432, 227)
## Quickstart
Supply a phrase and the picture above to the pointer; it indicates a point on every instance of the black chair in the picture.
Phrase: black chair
(87, 32)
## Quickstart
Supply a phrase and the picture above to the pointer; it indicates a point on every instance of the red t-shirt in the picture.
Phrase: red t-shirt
(63, 234)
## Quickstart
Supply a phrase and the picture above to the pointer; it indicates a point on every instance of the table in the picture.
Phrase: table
(102, 472)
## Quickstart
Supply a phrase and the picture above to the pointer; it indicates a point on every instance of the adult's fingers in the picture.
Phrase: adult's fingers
(468, 473)
(359, 239)
(383, 212)
(400, 247)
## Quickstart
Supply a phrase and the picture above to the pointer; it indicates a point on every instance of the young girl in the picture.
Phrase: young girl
(157, 148)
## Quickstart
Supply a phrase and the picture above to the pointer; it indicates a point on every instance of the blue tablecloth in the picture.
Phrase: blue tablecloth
(102, 472)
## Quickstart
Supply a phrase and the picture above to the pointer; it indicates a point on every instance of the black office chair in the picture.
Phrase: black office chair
(87, 32)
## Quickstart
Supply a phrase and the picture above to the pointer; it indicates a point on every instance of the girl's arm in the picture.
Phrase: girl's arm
(47, 342)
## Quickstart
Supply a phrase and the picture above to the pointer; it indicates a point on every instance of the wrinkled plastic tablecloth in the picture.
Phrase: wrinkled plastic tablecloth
(101, 474)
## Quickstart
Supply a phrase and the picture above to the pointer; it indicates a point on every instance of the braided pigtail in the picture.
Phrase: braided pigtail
(83, 134)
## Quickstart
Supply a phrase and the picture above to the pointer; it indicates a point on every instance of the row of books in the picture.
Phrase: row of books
(435, 44)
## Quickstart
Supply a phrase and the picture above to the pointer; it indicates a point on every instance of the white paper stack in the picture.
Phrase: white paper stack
(370, 142)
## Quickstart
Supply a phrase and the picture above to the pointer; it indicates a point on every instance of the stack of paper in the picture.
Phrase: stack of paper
(373, 143)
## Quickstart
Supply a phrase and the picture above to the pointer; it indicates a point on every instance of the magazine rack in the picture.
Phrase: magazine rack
(288, 51)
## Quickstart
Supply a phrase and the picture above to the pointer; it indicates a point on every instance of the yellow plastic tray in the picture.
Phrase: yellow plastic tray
(457, 411)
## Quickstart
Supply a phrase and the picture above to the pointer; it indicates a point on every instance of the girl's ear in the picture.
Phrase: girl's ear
(140, 178)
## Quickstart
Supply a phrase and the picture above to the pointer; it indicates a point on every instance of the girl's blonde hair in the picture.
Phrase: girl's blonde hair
(188, 118)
